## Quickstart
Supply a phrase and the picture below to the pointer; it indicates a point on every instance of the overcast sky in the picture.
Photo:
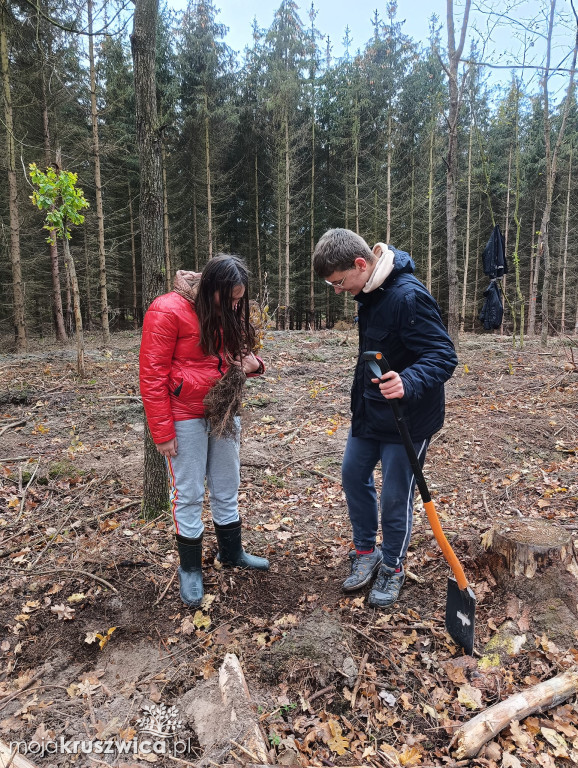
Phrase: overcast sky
(503, 39)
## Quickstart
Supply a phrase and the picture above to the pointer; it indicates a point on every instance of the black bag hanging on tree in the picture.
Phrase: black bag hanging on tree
(495, 266)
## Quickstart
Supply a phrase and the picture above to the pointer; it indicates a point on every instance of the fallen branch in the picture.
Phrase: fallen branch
(335, 480)
(26, 685)
(28, 484)
(12, 425)
(358, 681)
(472, 736)
(136, 398)
(68, 570)
(165, 590)
(322, 692)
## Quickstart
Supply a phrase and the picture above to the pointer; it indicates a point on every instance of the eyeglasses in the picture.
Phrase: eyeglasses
(337, 283)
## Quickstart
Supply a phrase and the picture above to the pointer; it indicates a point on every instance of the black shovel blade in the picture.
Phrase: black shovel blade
(461, 615)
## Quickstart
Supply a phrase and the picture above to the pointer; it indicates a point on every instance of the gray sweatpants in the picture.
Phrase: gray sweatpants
(201, 456)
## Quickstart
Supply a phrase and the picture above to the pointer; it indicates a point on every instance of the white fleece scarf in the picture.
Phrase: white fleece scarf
(383, 268)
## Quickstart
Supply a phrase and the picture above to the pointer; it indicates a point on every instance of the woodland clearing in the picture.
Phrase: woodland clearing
(91, 626)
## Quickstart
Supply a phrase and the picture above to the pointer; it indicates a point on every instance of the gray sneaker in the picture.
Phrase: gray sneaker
(387, 587)
(363, 568)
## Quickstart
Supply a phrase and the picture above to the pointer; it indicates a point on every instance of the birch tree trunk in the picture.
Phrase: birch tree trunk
(98, 187)
(17, 284)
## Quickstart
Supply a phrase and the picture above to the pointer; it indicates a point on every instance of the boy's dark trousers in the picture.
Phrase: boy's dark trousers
(396, 504)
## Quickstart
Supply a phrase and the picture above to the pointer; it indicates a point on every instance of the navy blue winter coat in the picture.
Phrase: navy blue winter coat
(402, 320)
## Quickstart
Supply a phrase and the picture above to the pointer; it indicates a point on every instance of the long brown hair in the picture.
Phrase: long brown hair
(224, 326)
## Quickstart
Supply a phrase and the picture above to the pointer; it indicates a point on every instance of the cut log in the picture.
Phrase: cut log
(531, 545)
(237, 698)
(13, 759)
(472, 736)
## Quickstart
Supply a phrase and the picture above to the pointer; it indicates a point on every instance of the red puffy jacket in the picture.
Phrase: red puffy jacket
(175, 373)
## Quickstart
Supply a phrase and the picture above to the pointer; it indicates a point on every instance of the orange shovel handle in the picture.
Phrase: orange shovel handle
(445, 546)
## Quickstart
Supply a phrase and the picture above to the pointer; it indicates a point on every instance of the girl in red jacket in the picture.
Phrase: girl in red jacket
(190, 338)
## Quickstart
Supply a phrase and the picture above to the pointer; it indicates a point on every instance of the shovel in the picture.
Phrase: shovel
(461, 601)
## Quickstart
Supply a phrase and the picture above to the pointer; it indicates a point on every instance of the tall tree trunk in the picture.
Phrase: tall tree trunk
(534, 277)
(195, 228)
(166, 240)
(208, 179)
(98, 188)
(69, 261)
(133, 261)
(507, 226)
(281, 307)
(356, 130)
(143, 39)
(57, 313)
(551, 162)
(430, 193)
(412, 205)
(388, 205)
(287, 212)
(518, 223)
(69, 314)
(346, 221)
(17, 284)
(467, 243)
(87, 286)
(454, 56)
(257, 231)
(312, 231)
(565, 260)
(477, 278)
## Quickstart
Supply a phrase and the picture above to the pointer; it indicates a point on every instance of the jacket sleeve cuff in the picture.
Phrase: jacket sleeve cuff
(260, 370)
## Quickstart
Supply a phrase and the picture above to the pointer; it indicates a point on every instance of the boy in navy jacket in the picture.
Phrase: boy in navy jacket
(399, 318)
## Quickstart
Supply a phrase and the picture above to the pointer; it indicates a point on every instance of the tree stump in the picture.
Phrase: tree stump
(530, 546)
(534, 561)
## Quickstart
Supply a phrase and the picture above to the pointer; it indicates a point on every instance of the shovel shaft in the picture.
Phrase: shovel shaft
(444, 545)
(379, 365)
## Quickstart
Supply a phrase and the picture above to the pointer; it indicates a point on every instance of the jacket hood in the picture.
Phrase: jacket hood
(186, 284)
(402, 262)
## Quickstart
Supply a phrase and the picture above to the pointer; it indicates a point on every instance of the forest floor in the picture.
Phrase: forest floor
(91, 625)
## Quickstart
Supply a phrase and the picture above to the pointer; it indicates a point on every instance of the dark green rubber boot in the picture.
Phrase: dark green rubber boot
(231, 550)
(190, 573)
